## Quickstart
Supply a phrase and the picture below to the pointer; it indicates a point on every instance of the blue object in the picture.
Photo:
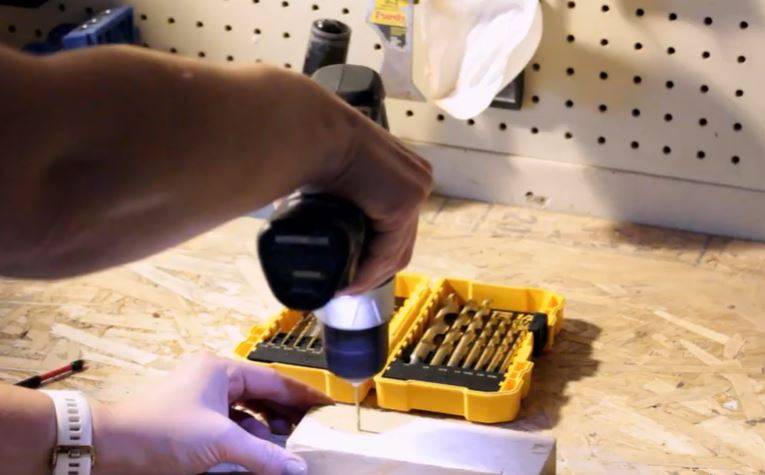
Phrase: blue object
(112, 26)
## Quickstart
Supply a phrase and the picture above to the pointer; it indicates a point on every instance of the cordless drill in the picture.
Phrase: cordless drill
(311, 247)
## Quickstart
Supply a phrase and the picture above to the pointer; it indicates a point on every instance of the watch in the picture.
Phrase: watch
(74, 453)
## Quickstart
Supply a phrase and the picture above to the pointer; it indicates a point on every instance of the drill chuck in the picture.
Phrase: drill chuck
(356, 332)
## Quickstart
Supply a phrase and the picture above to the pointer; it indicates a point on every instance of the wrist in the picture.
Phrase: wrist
(114, 449)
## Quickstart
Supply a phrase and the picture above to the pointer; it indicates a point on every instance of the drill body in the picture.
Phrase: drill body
(312, 246)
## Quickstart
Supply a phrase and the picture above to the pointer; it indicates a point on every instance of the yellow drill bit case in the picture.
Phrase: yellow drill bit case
(479, 396)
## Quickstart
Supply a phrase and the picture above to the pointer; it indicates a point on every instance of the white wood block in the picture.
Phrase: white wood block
(403, 444)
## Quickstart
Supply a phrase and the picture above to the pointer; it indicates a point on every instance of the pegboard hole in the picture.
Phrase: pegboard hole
(378, 46)
(286, 34)
(635, 112)
(571, 4)
(288, 65)
(285, 4)
(603, 75)
(639, 12)
(568, 135)
(706, 54)
(708, 21)
(11, 29)
(603, 108)
(534, 130)
(201, 54)
(743, 25)
(256, 31)
(638, 46)
(701, 155)
(605, 8)
(570, 71)
(227, 28)
(409, 113)
(38, 33)
(668, 117)
(670, 84)
(470, 122)
(346, 11)
(738, 127)
(667, 150)
(704, 89)
(173, 50)
(536, 67)
(671, 50)
(61, 7)
(570, 38)
(314, 7)
(171, 20)
(569, 103)
(703, 122)
(742, 59)
(200, 24)
(637, 79)
(604, 42)
(735, 160)
(229, 58)
(635, 145)
(502, 126)
(601, 140)
(89, 11)
(739, 93)
(535, 99)
(143, 17)
(672, 16)
(440, 117)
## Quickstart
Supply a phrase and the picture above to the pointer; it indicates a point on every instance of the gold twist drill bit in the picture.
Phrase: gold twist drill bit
(491, 346)
(297, 325)
(480, 345)
(427, 343)
(309, 324)
(502, 350)
(511, 353)
(470, 335)
(314, 334)
(445, 348)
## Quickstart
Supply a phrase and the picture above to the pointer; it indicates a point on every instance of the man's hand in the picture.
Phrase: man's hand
(187, 424)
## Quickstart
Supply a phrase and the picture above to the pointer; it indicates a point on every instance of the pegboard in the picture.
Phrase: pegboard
(663, 88)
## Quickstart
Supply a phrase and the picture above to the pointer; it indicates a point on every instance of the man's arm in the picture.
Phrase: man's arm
(28, 425)
(113, 153)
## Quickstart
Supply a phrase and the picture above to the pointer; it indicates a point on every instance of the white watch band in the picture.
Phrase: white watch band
(74, 453)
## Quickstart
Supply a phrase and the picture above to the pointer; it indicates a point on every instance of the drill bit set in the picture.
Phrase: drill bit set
(471, 344)
(299, 345)
(456, 347)
(469, 351)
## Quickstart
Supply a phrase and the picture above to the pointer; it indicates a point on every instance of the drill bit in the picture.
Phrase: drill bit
(310, 323)
(445, 348)
(478, 348)
(295, 327)
(313, 335)
(428, 342)
(358, 405)
(462, 347)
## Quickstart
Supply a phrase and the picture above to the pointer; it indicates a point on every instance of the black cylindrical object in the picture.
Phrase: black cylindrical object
(327, 45)
(356, 354)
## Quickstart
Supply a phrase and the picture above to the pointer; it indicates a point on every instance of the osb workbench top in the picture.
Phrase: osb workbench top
(659, 367)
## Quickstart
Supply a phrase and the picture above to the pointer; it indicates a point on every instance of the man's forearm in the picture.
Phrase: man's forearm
(27, 431)
(119, 152)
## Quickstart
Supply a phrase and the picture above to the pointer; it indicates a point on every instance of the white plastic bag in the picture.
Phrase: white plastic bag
(466, 51)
